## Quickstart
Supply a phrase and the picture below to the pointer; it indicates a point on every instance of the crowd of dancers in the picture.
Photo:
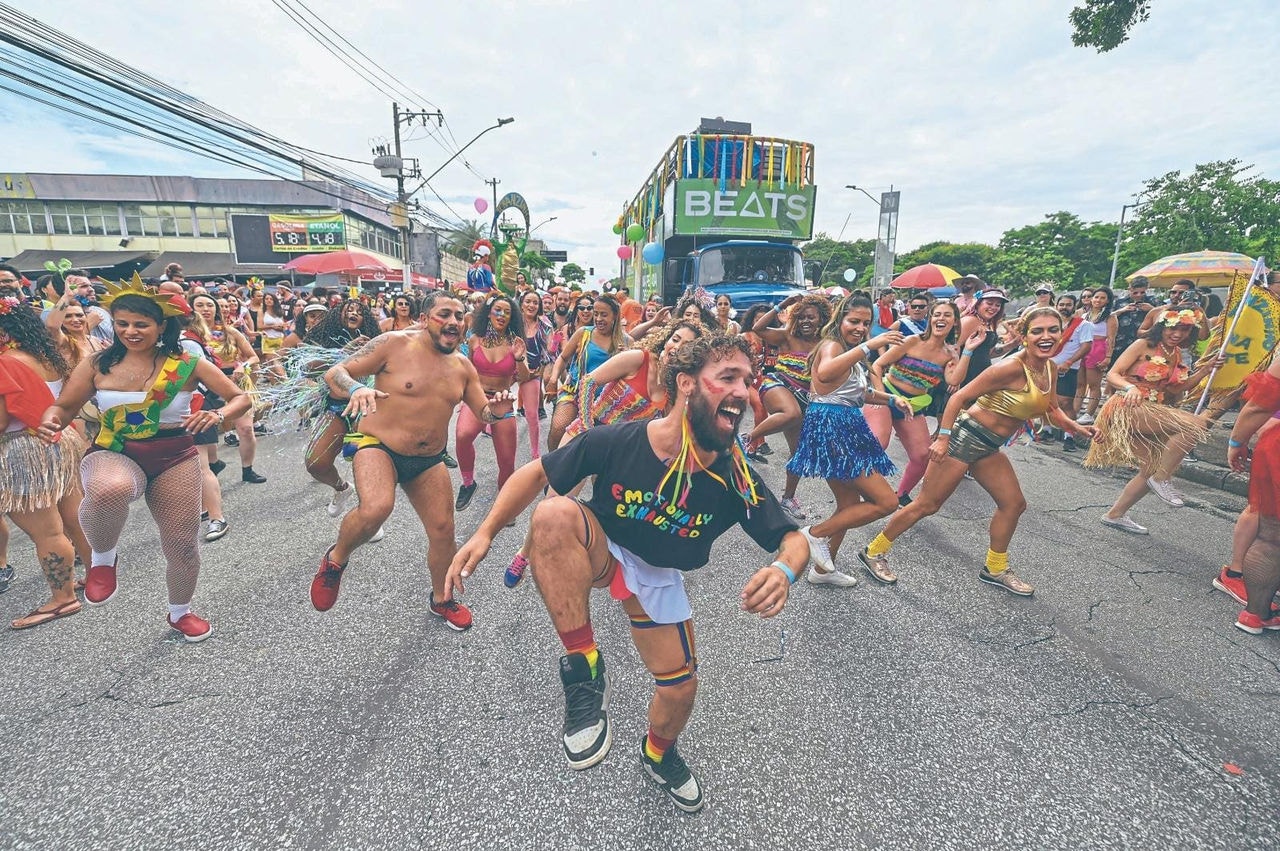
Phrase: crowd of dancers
(108, 398)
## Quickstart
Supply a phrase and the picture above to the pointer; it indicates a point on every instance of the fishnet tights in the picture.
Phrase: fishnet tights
(112, 482)
(1262, 566)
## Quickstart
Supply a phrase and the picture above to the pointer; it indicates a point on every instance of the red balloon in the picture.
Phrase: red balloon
(624, 252)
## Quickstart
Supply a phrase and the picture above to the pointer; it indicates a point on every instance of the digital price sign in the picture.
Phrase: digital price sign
(306, 234)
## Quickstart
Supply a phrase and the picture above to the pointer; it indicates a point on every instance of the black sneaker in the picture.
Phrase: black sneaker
(587, 735)
(450, 461)
(231, 439)
(674, 778)
(904, 500)
(259, 428)
(465, 492)
(248, 475)
(6, 577)
(1069, 444)
(217, 467)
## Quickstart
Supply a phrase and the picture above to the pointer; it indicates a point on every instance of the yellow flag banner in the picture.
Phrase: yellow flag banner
(1250, 346)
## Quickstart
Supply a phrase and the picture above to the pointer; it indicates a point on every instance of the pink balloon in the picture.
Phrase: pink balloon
(624, 252)
(481, 205)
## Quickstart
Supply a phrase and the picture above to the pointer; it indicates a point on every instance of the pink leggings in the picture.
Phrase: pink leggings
(503, 432)
(913, 434)
(531, 401)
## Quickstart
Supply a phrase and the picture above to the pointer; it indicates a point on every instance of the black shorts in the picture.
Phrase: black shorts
(1068, 380)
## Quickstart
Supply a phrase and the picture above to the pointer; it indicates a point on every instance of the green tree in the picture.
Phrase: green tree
(833, 257)
(533, 261)
(1061, 249)
(968, 258)
(1219, 206)
(461, 241)
(1105, 24)
(573, 272)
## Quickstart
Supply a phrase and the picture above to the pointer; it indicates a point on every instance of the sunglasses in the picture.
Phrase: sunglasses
(586, 307)
(917, 306)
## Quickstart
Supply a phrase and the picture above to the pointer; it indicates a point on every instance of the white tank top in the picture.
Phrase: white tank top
(178, 410)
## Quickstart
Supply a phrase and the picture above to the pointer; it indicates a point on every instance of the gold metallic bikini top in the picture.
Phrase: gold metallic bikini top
(1018, 404)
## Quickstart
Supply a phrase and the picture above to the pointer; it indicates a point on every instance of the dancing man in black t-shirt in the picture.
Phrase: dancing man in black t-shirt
(665, 489)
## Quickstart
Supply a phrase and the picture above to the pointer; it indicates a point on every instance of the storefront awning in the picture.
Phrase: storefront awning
(207, 264)
(33, 259)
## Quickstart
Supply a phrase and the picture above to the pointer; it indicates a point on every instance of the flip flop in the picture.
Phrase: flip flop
(65, 610)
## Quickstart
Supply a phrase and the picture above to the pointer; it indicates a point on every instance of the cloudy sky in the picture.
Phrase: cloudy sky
(982, 113)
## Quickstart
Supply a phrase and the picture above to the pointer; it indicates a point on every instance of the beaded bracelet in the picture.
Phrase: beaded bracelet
(783, 567)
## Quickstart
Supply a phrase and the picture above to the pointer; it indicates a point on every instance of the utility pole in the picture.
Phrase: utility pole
(392, 164)
(493, 229)
(1115, 258)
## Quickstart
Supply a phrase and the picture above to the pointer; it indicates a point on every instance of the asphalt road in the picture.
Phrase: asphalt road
(1118, 708)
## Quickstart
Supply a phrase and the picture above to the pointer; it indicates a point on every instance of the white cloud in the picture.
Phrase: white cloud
(983, 114)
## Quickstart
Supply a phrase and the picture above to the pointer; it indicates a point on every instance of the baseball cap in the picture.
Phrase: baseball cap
(1044, 288)
(966, 280)
(315, 308)
(994, 292)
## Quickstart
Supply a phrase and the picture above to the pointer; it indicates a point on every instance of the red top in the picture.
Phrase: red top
(26, 396)
(502, 369)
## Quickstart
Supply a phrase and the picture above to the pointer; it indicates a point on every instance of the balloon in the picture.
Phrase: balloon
(635, 233)
(624, 252)
(849, 275)
(652, 253)
(618, 228)
(481, 205)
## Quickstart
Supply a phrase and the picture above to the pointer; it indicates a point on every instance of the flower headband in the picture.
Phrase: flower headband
(8, 303)
(1182, 317)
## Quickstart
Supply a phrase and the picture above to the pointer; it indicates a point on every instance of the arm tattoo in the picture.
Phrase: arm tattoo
(345, 382)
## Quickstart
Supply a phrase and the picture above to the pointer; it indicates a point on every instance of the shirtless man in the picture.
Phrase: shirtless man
(419, 378)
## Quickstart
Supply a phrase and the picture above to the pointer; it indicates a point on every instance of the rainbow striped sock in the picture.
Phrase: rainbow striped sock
(655, 747)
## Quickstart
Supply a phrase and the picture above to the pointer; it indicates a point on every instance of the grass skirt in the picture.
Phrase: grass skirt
(836, 443)
(35, 474)
(1131, 435)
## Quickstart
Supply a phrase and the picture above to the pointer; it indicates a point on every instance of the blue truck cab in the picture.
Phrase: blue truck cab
(750, 272)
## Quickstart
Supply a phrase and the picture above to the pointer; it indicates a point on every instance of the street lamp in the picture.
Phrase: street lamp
(886, 233)
(1115, 258)
(540, 224)
(501, 122)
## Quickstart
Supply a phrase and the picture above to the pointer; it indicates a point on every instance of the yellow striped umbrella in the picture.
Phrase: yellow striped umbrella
(1204, 268)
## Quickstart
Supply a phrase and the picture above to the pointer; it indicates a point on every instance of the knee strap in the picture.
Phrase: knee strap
(686, 671)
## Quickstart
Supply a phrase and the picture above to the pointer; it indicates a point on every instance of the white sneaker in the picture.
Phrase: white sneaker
(378, 535)
(1084, 419)
(1125, 523)
(835, 577)
(338, 502)
(792, 506)
(1166, 491)
(819, 551)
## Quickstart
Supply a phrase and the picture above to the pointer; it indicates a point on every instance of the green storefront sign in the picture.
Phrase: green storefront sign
(704, 208)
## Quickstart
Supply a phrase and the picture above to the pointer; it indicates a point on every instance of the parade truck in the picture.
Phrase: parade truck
(724, 211)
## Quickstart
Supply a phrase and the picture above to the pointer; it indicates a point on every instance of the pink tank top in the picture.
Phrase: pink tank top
(502, 369)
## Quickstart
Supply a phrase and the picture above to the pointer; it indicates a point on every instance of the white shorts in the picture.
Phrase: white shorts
(660, 590)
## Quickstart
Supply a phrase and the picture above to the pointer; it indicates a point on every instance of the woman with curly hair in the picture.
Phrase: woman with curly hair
(143, 384)
(349, 325)
(39, 482)
(630, 388)
(308, 317)
(588, 347)
(786, 392)
(497, 349)
(1140, 425)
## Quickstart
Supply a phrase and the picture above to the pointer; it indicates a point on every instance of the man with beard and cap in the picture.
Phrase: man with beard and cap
(664, 490)
(967, 289)
(403, 421)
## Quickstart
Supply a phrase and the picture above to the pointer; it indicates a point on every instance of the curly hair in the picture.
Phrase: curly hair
(515, 318)
(658, 337)
(690, 358)
(333, 326)
(169, 344)
(23, 326)
(819, 303)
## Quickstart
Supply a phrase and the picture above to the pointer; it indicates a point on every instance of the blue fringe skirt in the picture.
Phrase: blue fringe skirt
(837, 443)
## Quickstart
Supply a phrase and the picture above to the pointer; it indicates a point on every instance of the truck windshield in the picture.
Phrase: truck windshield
(762, 263)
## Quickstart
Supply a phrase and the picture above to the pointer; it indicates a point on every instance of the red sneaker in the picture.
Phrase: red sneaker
(1254, 625)
(456, 615)
(1232, 586)
(324, 587)
(193, 627)
(100, 583)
